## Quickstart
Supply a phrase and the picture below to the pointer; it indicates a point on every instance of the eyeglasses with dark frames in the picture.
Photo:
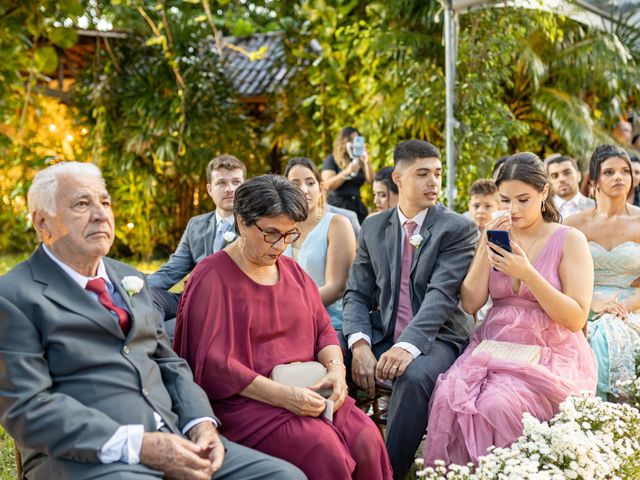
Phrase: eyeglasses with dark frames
(274, 236)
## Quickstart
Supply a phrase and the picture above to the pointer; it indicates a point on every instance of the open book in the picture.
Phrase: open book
(510, 351)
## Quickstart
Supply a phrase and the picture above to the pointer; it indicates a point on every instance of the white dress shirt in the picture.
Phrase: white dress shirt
(125, 444)
(419, 220)
(574, 205)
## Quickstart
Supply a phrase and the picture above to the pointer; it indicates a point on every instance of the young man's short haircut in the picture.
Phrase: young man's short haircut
(484, 186)
(411, 150)
(226, 161)
(564, 158)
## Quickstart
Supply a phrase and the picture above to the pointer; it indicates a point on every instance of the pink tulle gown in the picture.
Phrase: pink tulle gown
(480, 400)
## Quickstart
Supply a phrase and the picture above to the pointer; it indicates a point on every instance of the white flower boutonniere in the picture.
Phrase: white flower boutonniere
(132, 285)
(416, 240)
(229, 237)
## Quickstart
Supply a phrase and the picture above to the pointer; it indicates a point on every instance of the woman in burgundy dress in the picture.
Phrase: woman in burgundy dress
(247, 309)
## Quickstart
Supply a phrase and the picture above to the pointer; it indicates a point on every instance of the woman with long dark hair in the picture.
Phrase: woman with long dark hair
(612, 228)
(529, 353)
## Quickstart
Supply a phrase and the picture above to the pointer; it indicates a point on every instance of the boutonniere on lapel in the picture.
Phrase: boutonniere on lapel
(416, 240)
(229, 237)
(132, 285)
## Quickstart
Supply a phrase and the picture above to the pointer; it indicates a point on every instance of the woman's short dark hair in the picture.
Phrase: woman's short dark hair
(303, 162)
(600, 155)
(269, 196)
(528, 168)
(384, 176)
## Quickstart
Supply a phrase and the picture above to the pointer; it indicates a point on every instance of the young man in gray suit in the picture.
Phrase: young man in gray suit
(401, 315)
(90, 387)
(205, 234)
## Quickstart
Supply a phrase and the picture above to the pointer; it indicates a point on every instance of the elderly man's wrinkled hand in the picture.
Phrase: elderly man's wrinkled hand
(206, 436)
(303, 402)
(177, 457)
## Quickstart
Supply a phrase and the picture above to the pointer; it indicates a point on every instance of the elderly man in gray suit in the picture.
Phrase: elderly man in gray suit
(89, 385)
(205, 234)
(402, 320)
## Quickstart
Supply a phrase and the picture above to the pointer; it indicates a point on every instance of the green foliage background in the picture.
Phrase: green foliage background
(158, 106)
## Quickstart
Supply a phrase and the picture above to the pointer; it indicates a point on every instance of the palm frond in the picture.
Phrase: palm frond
(568, 116)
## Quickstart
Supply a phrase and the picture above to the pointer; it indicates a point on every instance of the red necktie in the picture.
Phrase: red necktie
(404, 313)
(98, 286)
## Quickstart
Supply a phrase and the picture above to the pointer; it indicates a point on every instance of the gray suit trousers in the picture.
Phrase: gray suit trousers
(409, 407)
(240, 463)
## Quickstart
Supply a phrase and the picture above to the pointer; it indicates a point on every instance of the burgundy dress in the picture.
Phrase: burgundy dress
(231, 329)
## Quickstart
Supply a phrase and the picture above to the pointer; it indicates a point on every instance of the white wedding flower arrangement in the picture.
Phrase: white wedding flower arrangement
(416, 240)
(229, 237)
(588, 439)
(132, 285)
(632, 388)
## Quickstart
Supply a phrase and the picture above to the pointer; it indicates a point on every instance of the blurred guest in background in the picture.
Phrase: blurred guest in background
(385, 192)
(564, 176)
(344, 173)
(623, 133)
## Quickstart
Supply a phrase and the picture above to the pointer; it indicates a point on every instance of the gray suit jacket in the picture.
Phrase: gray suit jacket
(438, 268)
(196, 243)
(69, 376)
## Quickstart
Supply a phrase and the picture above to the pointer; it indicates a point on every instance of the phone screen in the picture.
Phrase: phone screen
(358, 146)
(500, 238)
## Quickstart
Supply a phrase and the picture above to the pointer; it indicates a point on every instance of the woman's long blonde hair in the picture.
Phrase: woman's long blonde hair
(340, 154)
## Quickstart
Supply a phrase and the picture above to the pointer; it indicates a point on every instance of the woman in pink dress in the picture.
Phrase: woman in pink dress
(541, 295)
(247, 309)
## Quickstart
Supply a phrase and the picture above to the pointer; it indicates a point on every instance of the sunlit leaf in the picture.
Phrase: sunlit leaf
(45, 59)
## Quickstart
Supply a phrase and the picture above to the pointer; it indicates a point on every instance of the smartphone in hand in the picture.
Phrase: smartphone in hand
(500, 238)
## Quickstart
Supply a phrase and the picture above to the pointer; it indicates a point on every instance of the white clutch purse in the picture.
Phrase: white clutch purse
(510, 351)
(300, 374)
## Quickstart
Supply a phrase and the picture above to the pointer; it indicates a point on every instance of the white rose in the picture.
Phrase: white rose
(132, 285)
(229, 237)
(416, 240)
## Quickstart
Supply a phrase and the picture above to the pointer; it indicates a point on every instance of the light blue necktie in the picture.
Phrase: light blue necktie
(219, 242)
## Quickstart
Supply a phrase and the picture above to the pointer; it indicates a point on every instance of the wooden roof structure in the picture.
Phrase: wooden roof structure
(254, 79)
